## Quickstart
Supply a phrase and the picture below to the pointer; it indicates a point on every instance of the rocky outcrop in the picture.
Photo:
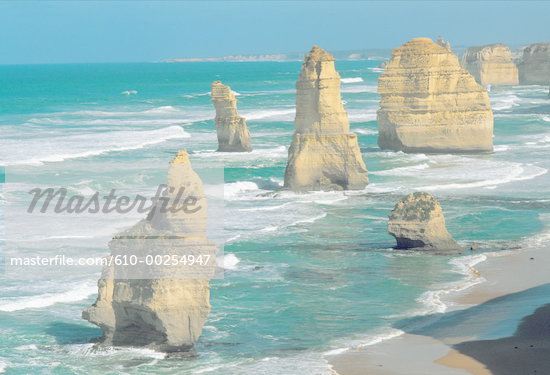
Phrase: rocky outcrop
(430, 104)
(324, 154)
(534, 68)
(233, 134)
(491, 65)
(149, 295)
(444, 43)
(417, 222)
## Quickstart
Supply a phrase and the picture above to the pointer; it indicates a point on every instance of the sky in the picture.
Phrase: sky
(34, 32)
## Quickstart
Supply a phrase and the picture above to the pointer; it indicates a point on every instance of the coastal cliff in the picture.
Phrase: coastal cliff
(159, 306)
(417, 222)
(491, 65)
(233, 134)
(534, 68)
(430, 104)
(324, 154)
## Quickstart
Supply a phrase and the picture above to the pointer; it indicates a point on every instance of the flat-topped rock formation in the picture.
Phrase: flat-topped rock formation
(157, 305)
(233, 134)
(491, 65)
(430, 104)
(534, 68)
(417, 222)
(324, 154)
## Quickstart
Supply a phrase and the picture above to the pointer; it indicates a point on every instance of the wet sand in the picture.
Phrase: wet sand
(513, 281)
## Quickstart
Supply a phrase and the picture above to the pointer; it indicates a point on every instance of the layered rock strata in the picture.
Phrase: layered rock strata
(417, 222)
(534, 68)
(430, 104)
(142, 299)
(491, 65)
(324, 154)
(233, 134)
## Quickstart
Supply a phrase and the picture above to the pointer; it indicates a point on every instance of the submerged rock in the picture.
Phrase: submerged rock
(417, 222)
(491, 65)
(233, 134)
(324, 154)
(430, 104)
(534, 68)
(161, 306)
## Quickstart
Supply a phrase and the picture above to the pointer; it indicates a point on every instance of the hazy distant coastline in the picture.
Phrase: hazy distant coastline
(370, 54)
(364, 54)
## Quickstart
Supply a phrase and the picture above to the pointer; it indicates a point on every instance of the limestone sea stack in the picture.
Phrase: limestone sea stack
(430, 104)
(159, 305)
(324, 154)
(491, 65)
(233, 134)
(534, 68)
(417, 222)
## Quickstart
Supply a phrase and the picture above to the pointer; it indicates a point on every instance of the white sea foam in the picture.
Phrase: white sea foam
(228, 262)
(352, 80)
(381, 335)
(90, 350)
(77, 293)
(197, 95)
(309, 220)
(55, 149)
(129, 92)
(283, 114)
(3, 366)
(355, 115)
(258, 157)
(505, 100)
(233, 189)
(366, 131)
(267, 208)
(356, 89)
(501, 148)
(433, 300)
(545, 118)
(29, 347)
(515, 172)
(411, 170)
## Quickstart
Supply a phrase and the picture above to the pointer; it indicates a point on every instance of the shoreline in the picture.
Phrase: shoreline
(428, 349)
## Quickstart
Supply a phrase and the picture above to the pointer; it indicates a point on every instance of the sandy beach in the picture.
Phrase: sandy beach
(513, 283)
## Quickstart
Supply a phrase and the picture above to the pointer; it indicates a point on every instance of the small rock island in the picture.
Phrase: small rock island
(324, 154)
(417, 222)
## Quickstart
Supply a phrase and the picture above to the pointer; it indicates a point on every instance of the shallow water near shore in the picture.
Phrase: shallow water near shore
(315, 272)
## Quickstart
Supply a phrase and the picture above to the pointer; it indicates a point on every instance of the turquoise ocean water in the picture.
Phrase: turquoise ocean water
(315, 272)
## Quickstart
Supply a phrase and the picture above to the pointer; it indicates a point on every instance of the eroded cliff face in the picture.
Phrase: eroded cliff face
(417, 222)
(430, 104)
(534, 68)
(159, 306)
(491, 65)
(233, 134)
(324, 154)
